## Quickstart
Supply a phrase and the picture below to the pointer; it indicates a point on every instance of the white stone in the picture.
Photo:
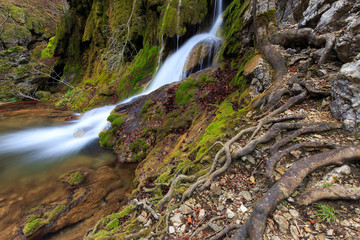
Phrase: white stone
(171, 230)
(351, 70)
(176, 219)
(182, 228)
(201, 214)
(243, 208)
(230, 214)
(330, 232)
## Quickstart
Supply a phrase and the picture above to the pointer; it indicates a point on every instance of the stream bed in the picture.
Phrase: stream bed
(27, 183)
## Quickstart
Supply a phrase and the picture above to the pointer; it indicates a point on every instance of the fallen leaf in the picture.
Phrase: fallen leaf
(252, 179)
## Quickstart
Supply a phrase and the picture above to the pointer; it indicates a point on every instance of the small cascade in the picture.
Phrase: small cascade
(54, 142)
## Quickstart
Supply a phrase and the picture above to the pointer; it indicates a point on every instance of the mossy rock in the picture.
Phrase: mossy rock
(33, 224)
(74, 178)
(36, 221)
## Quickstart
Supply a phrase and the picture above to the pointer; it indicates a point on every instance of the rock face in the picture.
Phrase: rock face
(258, 73)
(346, 94)
(26, 29)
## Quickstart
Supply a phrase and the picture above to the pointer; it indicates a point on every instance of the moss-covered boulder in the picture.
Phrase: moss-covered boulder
(74, 178)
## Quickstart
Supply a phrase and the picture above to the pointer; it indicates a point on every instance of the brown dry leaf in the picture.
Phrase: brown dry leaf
(252, 179)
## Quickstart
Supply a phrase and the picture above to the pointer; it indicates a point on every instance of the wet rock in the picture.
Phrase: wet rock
(258, 72)
(74, 178)
(313, 12)
(282, 223)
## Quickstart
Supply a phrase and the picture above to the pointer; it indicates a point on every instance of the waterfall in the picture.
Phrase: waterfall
(54, 142)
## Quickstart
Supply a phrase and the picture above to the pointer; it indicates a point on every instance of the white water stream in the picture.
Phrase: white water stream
(60, 141)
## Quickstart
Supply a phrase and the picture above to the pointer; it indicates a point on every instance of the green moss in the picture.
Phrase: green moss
(107, 139)
(32, 226)
(117, 122)
(234, 22)
(54, 214)
(267, 16)
(73, 178)
(48, 52)
(146, 106)
(112, 224)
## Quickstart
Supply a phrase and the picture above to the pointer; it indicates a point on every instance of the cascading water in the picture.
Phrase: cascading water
(55, 142)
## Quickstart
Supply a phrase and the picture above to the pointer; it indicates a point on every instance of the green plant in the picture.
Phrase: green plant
(325, 185)
(325, 212)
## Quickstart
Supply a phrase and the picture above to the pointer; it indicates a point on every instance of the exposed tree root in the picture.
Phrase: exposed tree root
(145, 204)
(175, 182)
(267, 119)
(136, 235)
(277, 156)
(291, 180)
(206, 225)
(309, 128)
(305, 35)
(331, 192)
(225, 231)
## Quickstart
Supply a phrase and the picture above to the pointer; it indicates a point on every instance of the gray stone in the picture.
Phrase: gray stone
(282, 223)
(176, 219)
(333, 19)
(230, 214)
(294, 213)
(351, 70)
(258, 71)
(201, 214)
(294, 232)
(185, 209)
(246, 195)
(346, 98)
(215, 189)
(215, 227)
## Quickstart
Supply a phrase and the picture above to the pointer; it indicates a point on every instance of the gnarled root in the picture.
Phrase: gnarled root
(291, 180)
(331, 192)
(286, 38)
(145, 204)
(277, 156)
